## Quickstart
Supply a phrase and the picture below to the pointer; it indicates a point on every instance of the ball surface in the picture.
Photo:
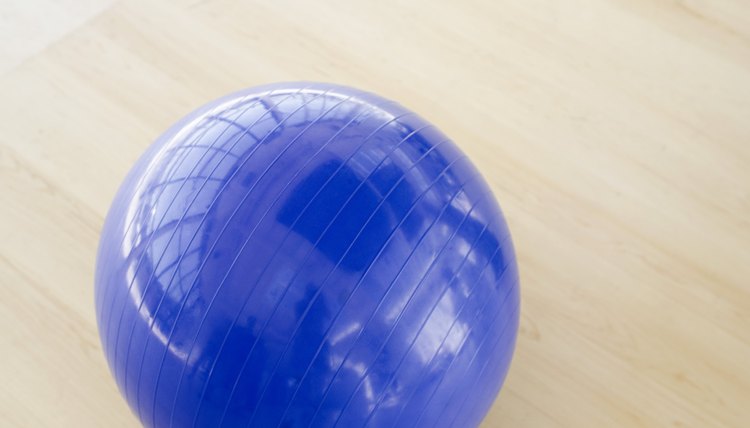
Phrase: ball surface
(306, 254)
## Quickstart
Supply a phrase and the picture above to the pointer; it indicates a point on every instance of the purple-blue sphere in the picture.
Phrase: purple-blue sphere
(306, 254)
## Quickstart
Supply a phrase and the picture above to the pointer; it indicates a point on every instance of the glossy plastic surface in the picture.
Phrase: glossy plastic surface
(306, 255)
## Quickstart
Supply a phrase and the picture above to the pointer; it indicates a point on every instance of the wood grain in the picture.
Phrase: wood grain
(615, 133)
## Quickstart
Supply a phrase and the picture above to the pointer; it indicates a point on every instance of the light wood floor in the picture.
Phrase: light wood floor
(616, 134)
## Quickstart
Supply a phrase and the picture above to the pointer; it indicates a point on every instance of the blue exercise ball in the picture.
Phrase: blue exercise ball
(306, 254)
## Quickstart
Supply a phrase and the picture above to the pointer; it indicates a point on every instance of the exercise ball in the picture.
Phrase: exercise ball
(306, 254)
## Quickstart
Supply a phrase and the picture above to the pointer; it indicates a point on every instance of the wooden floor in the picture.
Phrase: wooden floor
(615, 133)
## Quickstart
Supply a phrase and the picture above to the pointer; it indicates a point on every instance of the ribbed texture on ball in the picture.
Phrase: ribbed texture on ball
(306, 255)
